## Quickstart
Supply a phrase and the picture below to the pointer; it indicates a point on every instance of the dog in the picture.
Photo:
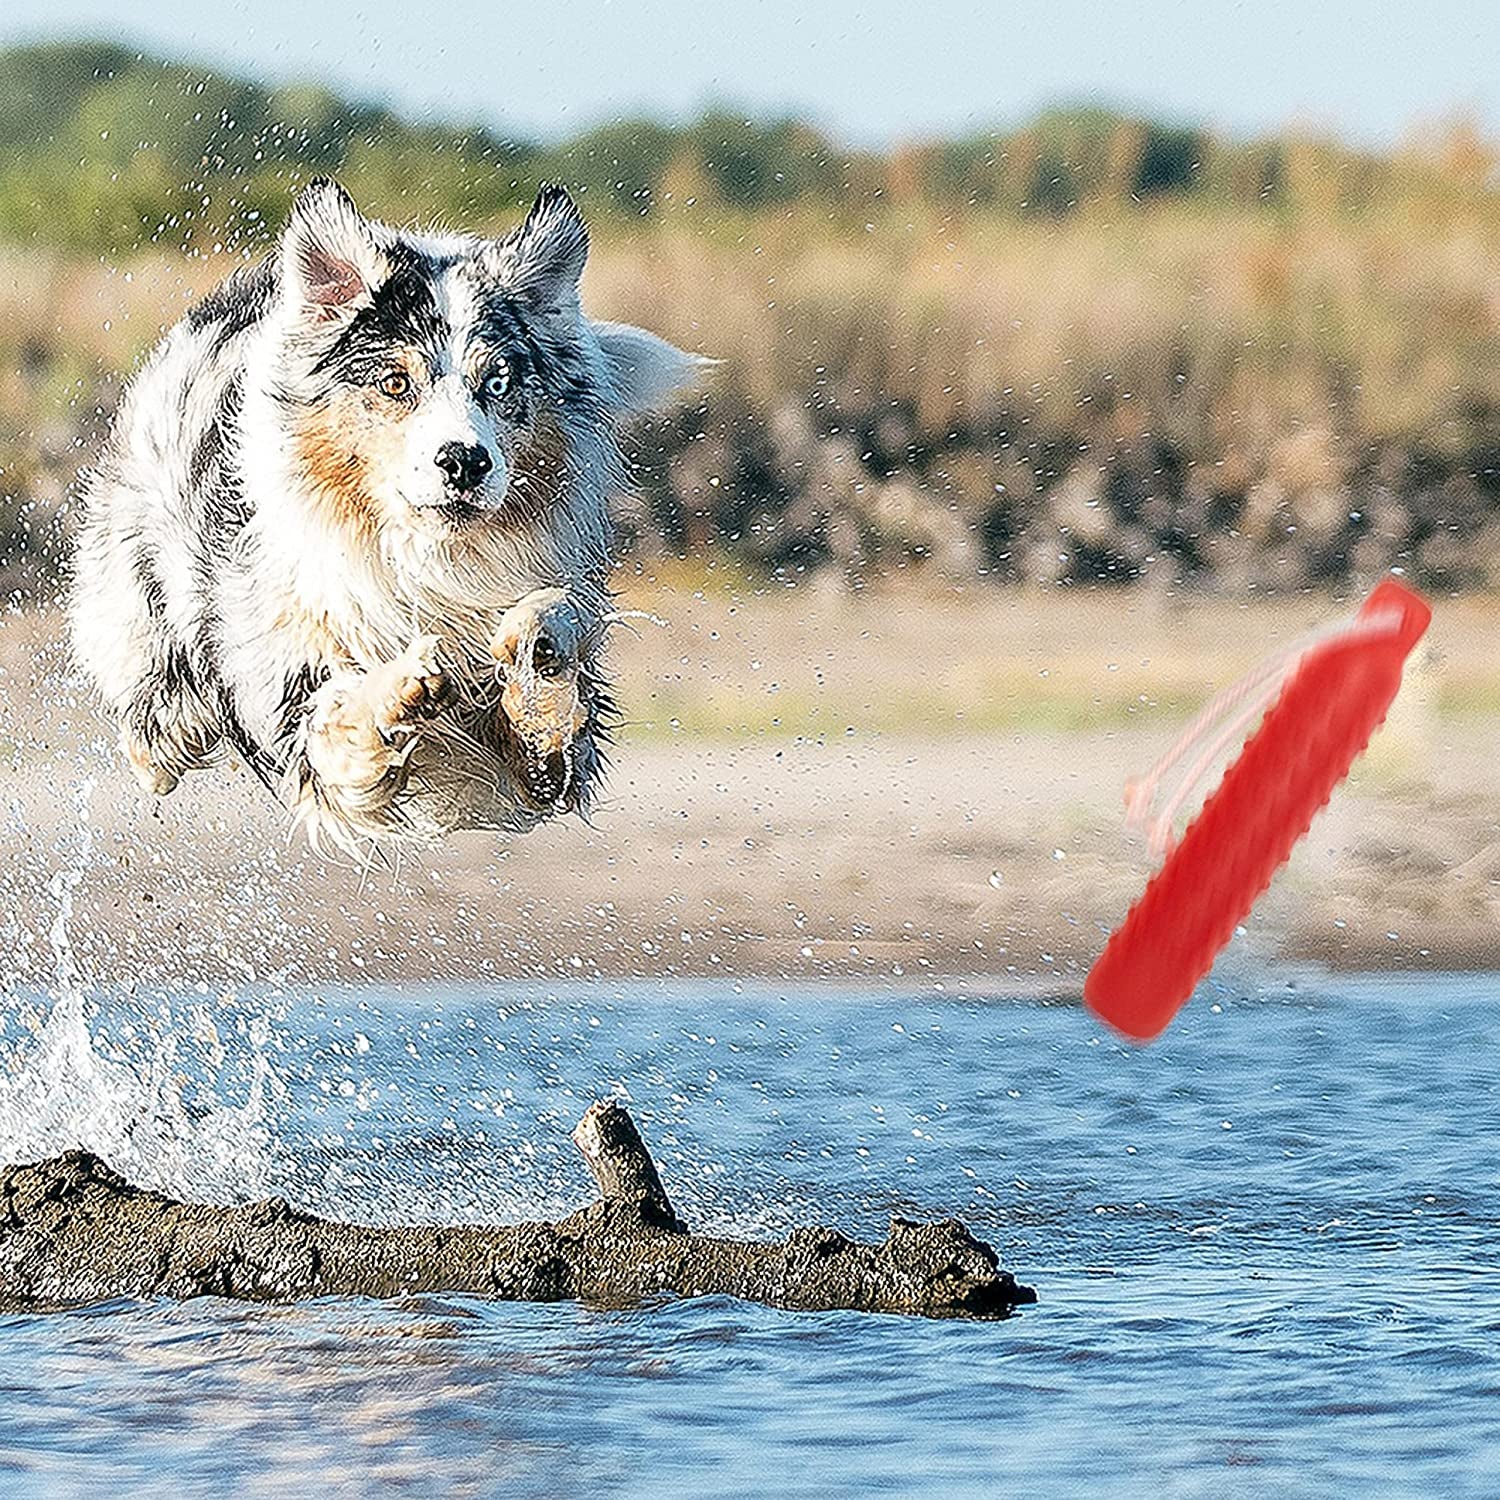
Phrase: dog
(352, 525)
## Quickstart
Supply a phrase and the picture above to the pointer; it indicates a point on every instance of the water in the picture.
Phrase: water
(128, 1086)
(1265, 1250)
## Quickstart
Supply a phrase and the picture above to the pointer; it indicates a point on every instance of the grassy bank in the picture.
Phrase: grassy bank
(890, 784)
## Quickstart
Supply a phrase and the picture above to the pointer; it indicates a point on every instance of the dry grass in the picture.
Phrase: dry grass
(1383, 326)
(1290, 361)
(1274, 321)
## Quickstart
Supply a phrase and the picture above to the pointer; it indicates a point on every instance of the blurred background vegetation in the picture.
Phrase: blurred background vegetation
(1096, 350)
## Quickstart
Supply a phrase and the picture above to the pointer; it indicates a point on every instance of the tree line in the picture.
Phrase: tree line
(103, 149)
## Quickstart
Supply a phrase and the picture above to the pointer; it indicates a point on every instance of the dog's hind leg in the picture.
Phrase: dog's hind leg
(122, 638)
(167, 730)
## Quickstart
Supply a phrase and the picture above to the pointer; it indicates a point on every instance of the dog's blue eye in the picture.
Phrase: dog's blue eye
(497, 383)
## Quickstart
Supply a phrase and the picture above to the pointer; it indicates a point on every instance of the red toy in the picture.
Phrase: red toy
(1334, 692)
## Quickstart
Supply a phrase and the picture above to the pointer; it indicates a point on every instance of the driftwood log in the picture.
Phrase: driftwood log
(75, 1232)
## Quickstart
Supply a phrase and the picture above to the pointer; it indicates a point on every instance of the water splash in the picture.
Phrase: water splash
(139, 1100)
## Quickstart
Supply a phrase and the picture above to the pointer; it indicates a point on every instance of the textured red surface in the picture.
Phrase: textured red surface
(1310, 736)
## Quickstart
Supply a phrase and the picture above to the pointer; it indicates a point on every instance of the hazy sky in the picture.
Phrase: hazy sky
(872, 72)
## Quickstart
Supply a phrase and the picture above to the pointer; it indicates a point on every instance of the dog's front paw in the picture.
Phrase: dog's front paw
(541, 634)
(538, 650)
(347, 748)
(412, 688)
(363, 728)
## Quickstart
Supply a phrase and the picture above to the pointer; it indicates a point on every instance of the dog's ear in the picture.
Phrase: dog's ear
(331, 263)
(643, 370)
(543, 259)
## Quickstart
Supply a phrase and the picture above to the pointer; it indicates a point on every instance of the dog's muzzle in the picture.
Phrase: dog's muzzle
(465, 467)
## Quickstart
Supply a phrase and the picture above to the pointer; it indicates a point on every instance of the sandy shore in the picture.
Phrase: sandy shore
(895, 789)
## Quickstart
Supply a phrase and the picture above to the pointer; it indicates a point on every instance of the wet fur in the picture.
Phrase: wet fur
(266, 540)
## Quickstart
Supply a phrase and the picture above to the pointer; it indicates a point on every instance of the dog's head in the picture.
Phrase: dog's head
(443, 383)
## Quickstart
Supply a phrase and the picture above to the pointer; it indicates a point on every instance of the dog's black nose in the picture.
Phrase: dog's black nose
(464, 465)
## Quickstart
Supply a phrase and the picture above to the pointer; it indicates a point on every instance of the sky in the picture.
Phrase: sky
(872, 73)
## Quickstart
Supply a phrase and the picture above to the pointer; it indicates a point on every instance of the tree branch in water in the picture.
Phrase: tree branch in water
(75, 1232)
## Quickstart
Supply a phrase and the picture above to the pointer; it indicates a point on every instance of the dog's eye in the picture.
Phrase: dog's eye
(497, 382)
(395, 383)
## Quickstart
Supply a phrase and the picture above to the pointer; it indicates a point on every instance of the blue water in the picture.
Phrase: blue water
(1265, 1250)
